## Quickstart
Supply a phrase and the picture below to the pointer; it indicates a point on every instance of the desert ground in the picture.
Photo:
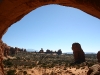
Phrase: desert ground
(30, 63)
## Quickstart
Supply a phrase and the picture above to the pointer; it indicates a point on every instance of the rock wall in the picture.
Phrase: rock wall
(12, 11)
(8, 50)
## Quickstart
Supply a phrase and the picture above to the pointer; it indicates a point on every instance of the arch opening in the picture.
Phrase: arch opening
(18, 9)
(57, 17)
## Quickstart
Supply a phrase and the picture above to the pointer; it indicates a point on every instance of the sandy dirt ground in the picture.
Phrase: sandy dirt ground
(57, 71)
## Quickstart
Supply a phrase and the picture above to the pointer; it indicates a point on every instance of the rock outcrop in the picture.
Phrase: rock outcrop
(48, 51)
(6, 49)
(1, 58)
(9, 51)
(59, 52)
(98, 56)
(94, 70)
(79, 55)
(41, 51)
(13, 51)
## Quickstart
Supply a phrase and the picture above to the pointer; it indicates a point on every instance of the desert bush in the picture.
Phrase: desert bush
(30, 67)
(24, 72)
(89, 64)
(11, 72)
(64, 68)
(53, 73)
(33, 65)
(83, 67)
(45, 74)
(77, 66)
(52, 65)
(7, 63)
(18, 58)
(32, 71)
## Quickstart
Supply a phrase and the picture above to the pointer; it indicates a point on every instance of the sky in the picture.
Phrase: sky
(55, 27)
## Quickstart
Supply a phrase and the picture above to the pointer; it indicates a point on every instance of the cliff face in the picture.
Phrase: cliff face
(12, 11)
(8, 50)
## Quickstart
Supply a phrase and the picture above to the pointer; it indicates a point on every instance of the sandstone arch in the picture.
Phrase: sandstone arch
(12, 11)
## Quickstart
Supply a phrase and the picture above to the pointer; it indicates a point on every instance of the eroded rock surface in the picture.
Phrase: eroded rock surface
(9, 51)
(1, 58)
(79, 55)
(94, 70)
(98, 56)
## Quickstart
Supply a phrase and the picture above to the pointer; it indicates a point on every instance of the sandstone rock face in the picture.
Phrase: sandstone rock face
(98, 56)
(79, 55)
(12, 11)
(1, 58)
(6, 50)
(12, 51)
(94, 70)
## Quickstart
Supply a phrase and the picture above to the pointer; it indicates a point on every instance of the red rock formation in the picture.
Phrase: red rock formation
(1, 58)
(59, 52)
(48, 51)
(16, 49)
(98, 56)
(41, 51)
(13, 50)
(6, 49)
(94, 70)
(79, 55)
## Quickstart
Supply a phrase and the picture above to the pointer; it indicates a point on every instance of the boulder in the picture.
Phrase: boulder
(94, 70)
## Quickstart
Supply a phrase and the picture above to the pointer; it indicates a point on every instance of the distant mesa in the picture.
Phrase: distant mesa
(11, 51)
(59, 52)
(41, 51)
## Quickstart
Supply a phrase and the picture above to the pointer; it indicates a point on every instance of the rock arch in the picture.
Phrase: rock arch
(12, 11)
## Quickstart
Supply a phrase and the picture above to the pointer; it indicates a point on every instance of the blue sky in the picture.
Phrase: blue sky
(55, 27)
